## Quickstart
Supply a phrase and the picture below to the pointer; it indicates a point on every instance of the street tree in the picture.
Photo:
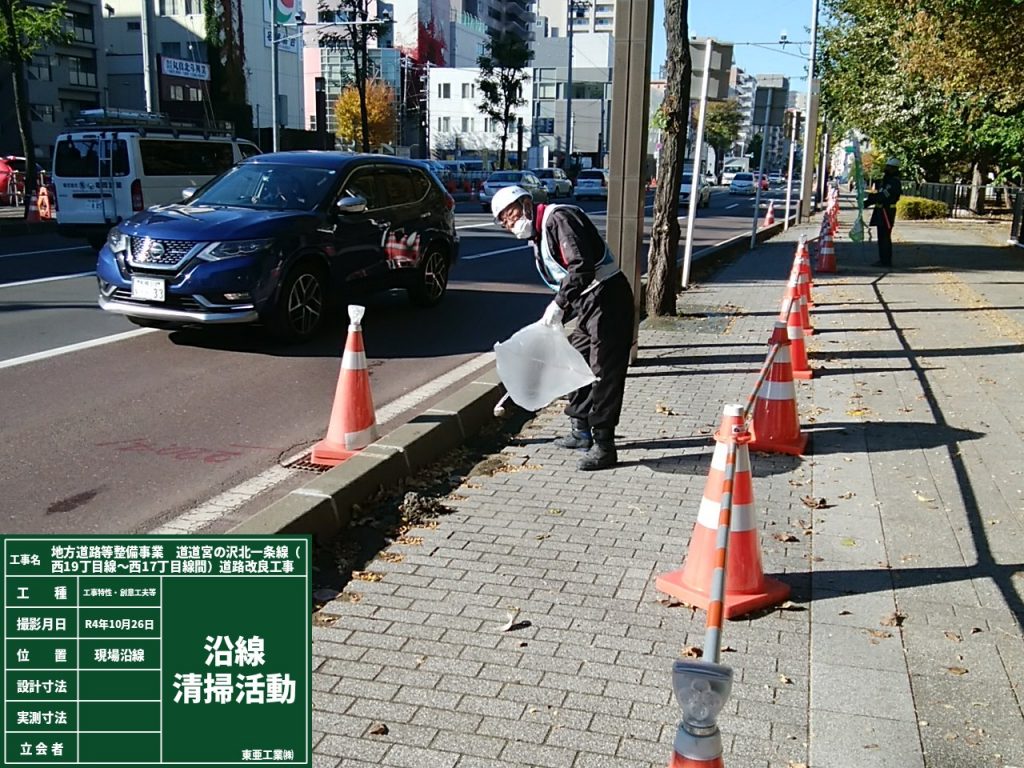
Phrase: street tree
(225, 22)
(379, 115)
(671, 120)
(722, 123)
(351, 31)
(754, 150)
(503, 72)
(24, 30)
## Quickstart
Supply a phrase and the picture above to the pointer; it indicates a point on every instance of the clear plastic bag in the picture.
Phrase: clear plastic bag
(537, 365)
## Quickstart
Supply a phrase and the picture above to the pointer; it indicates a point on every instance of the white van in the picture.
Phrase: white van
(115, 163)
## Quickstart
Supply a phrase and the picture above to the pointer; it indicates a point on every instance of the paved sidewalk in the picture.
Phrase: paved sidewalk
(902, 644)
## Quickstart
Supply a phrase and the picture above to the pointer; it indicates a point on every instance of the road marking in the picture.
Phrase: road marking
(47, 353)
(48, 279)
(476, 256)
(49, 250)
(477, 226)
(730, 207)
(227, 502)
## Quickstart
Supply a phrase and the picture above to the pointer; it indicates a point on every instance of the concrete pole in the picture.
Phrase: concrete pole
(760, 170)
(823, 174)
(634, 22)
(568, 88)
(274, 85)
(147, 72)
(697, 174)
(810, 129)
(794, 116)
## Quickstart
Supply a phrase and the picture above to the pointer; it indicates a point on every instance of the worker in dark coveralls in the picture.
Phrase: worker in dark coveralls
(574, 261)
(883, 217)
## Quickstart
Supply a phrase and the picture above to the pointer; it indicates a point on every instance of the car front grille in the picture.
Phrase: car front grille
(145, 251)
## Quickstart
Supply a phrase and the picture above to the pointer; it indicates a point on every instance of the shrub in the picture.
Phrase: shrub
(920, 208)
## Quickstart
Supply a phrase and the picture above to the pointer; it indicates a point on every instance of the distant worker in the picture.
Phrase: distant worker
(884, 198)
(574, 260)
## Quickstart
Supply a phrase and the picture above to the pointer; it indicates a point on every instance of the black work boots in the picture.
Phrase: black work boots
(602, 454)
(579, 438)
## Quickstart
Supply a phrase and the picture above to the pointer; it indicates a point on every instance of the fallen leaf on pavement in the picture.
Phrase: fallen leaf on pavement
(692, 652)
(542, 536)
(956, 670)
(922, 498)
(844, 612)
(367, 575)
(815, 502)
(952, 636)
(728, 649)
(507, 626)
(878, 634)
(662, 408)
(795, 482)
(670, 602)
(792, 764)
(976, 630)
(391, 557)
(555, 512)
(789, 605)
(785, 680)
(321, 619)
(785, 537)
(378, 729)
(847, 495)
(894, 619)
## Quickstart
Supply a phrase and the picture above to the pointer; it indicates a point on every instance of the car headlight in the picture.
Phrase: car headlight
(117, 240)
(230, 249)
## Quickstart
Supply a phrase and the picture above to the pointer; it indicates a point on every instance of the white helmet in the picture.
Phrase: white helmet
(505, 196)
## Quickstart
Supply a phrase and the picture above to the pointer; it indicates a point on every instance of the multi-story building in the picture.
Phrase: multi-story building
(741, 88)
(593, 16)
(508, 16)
(771, 123)
(60, 80)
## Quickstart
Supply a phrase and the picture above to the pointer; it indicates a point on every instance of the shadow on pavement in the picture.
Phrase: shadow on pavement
(900, 435)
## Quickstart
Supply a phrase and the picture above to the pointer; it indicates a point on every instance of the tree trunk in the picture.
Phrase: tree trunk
(28, 145)
(979, 172)
(662, 269)
(359, 52)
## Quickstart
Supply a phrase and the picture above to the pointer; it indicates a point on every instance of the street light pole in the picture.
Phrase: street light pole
(807, 189)
(574, 7)
(274, 86)
(697, 174)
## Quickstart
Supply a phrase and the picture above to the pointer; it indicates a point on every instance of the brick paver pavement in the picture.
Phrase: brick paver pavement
(902, 643)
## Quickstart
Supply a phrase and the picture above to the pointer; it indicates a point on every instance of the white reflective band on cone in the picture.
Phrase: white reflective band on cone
(353, 361)
(722, 452)
(741, 519)
(777, 390)
(357, 440)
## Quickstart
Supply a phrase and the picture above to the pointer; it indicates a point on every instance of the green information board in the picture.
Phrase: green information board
(157, 650)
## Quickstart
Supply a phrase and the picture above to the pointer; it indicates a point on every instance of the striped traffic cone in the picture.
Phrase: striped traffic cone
(826, 254)
(746, 587)
(795, 293)
(795, 331)
(33, 209)
(353, 424)
(775, 424)
(769, 217)
(803, 262)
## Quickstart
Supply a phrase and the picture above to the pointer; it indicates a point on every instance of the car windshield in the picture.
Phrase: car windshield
(592, 175)
(743, 177)
(544, 173)
(275, 187)
(513, 176)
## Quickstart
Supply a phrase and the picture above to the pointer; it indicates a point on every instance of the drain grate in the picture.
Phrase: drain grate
(306, 465)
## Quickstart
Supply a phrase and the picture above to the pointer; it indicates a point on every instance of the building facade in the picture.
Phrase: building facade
(771, 123)
(587, 17)
(741, 88)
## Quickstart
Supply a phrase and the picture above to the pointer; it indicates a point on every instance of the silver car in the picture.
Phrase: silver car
(592, 182)
(555, 181)
(525, 179)
(742, 184)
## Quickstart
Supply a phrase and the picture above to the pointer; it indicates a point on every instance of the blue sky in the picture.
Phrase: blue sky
(748, 21)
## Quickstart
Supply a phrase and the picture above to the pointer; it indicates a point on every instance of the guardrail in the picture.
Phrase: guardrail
(1017, 227)
(969, 200)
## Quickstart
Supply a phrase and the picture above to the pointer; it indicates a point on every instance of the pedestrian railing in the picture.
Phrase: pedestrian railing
(969, 200)
(1017, 227)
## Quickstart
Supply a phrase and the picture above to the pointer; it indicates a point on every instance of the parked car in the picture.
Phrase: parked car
(555, 181)
(703, 194)
(710, 178)
(592, 183)
(525, 179)
(777, 179)
(278, 239)
(742, 184)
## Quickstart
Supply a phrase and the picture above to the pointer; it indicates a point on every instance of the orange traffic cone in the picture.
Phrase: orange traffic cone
(33, 209)
(43, 204)
(795, 290)
(795, 331)
(826, 254)
(803, 261)
(769, 218)
(775, 425)
(746, 587)
(353, 423)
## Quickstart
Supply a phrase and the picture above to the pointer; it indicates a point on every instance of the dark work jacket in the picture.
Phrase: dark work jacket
(885, 200)
(577, 244)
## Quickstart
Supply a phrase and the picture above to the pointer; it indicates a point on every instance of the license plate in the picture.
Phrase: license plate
(148, 288)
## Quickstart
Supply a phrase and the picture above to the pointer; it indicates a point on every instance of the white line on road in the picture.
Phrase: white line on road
(476, 256)
(47, 353)
(48, 250)
(730, 207)
(53, 279)
(232, 499)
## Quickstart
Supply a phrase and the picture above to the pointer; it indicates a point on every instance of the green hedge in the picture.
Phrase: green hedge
(920, 208)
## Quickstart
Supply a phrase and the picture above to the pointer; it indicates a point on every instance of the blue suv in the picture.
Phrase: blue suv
(278, 238)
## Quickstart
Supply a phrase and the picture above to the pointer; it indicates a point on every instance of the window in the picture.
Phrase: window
(167, 157)
(363, 184)
(170, 7)
(193, 8)
(176, 93)
(397, 185)
(245, 149)
(446, 124)
(81, 71)
(134, 26)
(547, 90)
(39, 68)
(468, 91)
(81, 158)
(79, 26)
(444, 90)
(193, 94)
(41, 113)
(603, 22)
(545, 125)
(468, 124)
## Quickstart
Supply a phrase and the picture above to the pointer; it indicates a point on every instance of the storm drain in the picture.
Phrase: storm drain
(305, 464)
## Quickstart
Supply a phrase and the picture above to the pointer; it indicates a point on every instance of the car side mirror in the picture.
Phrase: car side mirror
(188, 193)
(352, 204)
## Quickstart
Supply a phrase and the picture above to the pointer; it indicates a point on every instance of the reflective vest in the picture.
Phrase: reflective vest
(552, 271)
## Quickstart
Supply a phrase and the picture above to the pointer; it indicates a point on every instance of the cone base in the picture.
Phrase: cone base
(772, 592)
(327, 453)
(681, 761)
(793, 447)
(808, 374)
(808, 331)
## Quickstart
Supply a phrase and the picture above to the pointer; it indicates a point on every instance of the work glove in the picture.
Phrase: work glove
(552, 315)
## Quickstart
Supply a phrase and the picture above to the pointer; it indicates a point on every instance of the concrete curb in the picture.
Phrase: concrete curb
(323, 506)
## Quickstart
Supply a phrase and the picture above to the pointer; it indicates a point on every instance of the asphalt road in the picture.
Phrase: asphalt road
(111, 428)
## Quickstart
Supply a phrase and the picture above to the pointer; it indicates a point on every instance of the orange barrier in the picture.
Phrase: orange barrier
(775, 423)
(353, 424)
(746, 587)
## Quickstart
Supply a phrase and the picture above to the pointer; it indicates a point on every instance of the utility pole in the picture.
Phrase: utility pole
(760, 169)
(575, 6)
(274, 86)
(697, 174)
(807, 189)
(147, 74)
(794, 131)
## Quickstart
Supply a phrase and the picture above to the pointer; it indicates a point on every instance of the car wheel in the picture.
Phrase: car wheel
(432, 280)
(301, 303)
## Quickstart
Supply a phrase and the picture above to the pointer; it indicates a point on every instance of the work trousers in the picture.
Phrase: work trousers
(604, 336)
(884, 244)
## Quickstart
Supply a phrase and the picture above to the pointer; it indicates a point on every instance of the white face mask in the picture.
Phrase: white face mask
(523, 228)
